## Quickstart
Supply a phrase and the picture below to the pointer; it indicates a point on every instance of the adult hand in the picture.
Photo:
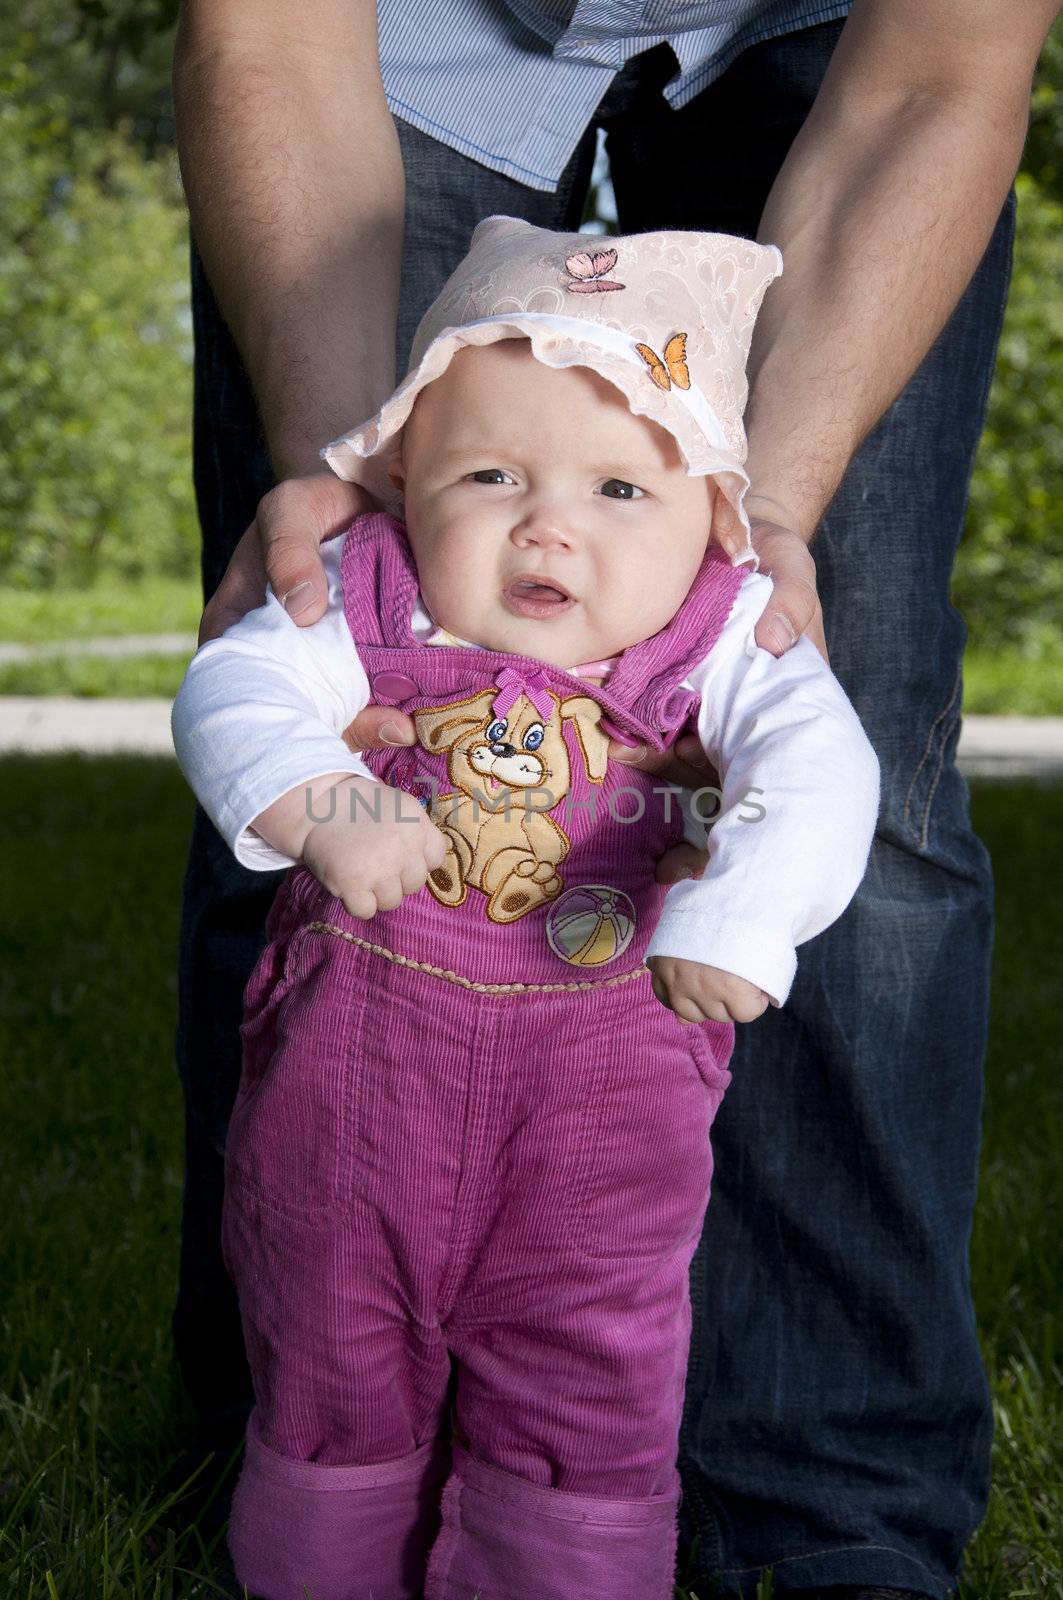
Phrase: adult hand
(794, 607)
(281, 545)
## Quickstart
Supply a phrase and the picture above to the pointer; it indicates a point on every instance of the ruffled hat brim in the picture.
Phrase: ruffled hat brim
(362, 455)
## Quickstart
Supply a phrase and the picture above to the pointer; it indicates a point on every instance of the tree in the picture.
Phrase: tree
(1009, 576)
(94, 409)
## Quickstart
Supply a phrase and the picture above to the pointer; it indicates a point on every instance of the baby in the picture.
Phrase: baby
(469, 1160)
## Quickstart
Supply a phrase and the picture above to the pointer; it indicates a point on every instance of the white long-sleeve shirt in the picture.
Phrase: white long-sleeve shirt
(262, 710)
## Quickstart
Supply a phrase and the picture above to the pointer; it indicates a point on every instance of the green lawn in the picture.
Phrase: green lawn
(1003, 684)
(95, 677)
(90, 1417)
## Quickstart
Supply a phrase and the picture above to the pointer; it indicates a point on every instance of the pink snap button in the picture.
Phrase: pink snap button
(393, 686)
(613, 732)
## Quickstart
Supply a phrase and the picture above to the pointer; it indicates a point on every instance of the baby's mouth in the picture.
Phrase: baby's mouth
(536, 597)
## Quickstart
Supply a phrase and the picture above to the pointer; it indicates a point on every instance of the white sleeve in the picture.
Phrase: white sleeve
(798, 811)
(261, 710)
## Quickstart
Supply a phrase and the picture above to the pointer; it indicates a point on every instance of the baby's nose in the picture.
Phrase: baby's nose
(544, 530)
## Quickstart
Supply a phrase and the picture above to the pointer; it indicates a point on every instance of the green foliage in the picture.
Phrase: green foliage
(1043, 157)
(110, 60)
(94, 412)
(95, 342)
(1009, 577)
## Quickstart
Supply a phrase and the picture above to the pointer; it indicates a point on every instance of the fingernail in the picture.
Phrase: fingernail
(633, 753)
(392, 735)
(782, 630)
(684, 872)
(302, 595)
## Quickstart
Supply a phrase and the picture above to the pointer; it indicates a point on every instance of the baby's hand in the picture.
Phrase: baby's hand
(374, 854)
(698, 993)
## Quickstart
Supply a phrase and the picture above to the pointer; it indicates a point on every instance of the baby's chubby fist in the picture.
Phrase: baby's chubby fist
(699, 993)
(377, 846)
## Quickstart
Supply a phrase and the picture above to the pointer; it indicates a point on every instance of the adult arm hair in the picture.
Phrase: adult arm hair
(883, 210)
(293, 173)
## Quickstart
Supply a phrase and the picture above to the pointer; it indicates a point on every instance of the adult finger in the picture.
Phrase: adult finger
(292, 521)
(242, 588)
(684, 763)
(378, 726)
(281, 545)
(784, 555)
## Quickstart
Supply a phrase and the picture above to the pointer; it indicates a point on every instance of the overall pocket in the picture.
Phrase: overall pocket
(294, 1126)
(640, 1179)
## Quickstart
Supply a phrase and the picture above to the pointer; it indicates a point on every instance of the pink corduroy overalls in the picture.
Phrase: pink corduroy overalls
(469, 1159)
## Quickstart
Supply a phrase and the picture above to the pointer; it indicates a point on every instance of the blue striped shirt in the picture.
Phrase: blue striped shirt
(514, 83)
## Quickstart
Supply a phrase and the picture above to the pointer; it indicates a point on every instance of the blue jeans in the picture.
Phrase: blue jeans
(837, 1425)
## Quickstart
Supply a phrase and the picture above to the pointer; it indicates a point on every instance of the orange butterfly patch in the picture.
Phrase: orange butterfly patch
(672, 366)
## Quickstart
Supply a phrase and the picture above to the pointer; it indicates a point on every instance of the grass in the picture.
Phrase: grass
(1004, 685)
(156, 605)
(95, 677)
(90, 1418)
(1007, 683)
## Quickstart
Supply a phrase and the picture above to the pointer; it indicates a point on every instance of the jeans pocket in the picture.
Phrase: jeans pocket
(639, 1181)
(293, 1129)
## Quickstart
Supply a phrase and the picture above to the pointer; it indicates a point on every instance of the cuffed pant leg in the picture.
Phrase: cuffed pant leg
(504, 1539)
(335, 1533)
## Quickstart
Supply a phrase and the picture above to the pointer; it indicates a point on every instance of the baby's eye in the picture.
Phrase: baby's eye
(490, 475)
(617, 489)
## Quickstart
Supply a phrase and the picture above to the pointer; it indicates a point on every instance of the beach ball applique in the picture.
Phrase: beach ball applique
(590, 925)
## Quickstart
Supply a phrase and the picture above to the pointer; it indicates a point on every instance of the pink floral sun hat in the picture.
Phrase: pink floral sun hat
(667, 318)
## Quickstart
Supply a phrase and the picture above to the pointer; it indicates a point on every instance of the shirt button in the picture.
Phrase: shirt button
(393, 686)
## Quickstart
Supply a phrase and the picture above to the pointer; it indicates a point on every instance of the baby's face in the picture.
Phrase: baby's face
(546, 519)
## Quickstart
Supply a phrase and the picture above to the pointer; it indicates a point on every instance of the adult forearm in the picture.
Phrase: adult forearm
(295, 188)
(882, 214)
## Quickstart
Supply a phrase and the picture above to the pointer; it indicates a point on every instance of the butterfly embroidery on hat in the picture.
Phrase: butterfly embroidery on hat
(589, 272)
(672, 366)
